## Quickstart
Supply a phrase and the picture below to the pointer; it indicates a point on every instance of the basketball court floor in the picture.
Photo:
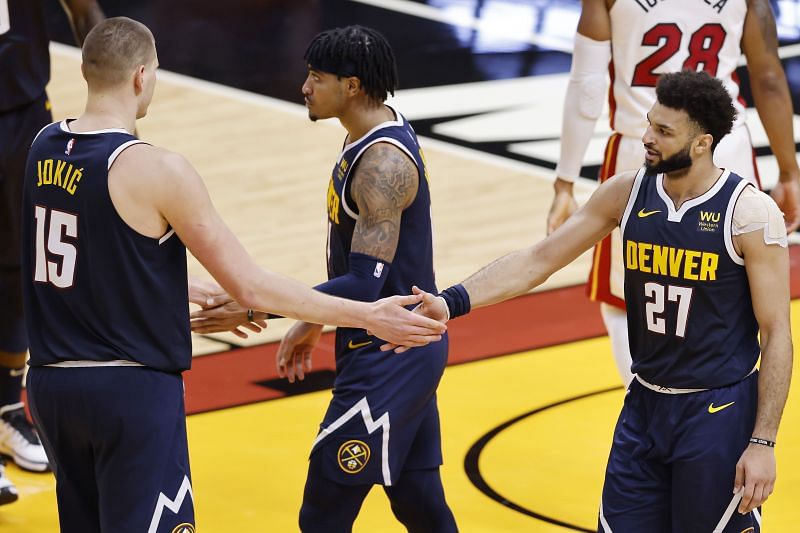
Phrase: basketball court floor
(530, 399)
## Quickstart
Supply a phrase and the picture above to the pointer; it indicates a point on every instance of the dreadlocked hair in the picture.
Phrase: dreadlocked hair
(356, 51)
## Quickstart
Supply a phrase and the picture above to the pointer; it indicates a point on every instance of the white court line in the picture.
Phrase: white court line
(299, 110)
(431, 13)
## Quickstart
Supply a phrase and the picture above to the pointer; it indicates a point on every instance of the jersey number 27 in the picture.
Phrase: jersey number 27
(704, 47)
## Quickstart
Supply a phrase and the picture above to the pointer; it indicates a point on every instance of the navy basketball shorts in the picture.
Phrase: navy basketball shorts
(673, 461)
(18, 127)
(383, 418)
(116, 439)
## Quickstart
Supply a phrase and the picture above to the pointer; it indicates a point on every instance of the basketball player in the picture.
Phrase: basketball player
(649, 38)
(105, 221)
(379, 244)
(24, 109)
(706, 270)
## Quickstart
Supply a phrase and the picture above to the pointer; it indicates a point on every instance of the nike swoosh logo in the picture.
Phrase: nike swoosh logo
(359, 345)
(642, 213)
(712, 409)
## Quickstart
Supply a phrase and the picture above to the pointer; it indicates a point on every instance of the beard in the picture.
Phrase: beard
(680, 161)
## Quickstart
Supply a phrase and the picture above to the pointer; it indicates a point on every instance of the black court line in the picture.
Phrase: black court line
(477, 479)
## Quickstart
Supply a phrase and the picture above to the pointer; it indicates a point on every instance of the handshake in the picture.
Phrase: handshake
(387, 318)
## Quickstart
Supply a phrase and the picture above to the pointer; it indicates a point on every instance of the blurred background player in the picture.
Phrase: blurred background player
(649, 39)
(24, 110)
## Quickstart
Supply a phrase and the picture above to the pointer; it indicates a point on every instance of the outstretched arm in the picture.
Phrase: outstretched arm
(181, 198)
(519, 272)
(773, 103)
(83, 16)
(583, 104)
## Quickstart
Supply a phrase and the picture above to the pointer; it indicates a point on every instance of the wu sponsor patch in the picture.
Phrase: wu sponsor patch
(353, 456)
(709, 221)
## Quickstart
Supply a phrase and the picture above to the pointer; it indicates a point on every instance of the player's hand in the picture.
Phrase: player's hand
(294, 354)
(755, 476)
(431, 306)
(228, 317)
(207, 293)
(389, 320)
(787, 195)
(563, 205)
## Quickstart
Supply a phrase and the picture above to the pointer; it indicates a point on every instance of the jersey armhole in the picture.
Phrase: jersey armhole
(121, 148)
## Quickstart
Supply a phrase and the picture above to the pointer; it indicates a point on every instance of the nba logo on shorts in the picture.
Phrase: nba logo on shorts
(378, 270)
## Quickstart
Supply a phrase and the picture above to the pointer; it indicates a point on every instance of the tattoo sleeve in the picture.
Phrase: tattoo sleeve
(385, 183)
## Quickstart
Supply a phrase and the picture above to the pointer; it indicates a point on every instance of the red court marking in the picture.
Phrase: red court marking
(532, 321)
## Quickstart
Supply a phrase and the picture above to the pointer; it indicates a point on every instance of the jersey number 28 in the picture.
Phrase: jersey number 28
(704, 47)
(61, 225)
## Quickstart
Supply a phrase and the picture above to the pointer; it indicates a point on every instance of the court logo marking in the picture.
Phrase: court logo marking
(353, 456)
(716, 409)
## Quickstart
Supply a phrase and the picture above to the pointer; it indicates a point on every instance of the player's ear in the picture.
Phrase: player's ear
(138, 79)
(703, 143)
(353, 85)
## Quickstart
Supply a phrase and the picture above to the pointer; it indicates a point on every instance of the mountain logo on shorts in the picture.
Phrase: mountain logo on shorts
(184, 528)
(353, 456)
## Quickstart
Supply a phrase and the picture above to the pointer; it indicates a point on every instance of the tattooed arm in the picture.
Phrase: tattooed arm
(384, 184)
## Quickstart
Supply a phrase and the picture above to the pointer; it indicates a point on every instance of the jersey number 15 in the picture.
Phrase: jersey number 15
(60, 225)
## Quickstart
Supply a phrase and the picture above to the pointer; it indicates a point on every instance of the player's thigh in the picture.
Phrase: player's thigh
(56, 402)
(714, 436)
(142, 455)
(636, 491)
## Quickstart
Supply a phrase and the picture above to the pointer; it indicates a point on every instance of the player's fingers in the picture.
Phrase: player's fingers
(262, 323)
(407, 299)
(307, 360)
(738, 481)
(401, 349)
(239, 333)
(218, 300)
(747, 496)
(299, 371)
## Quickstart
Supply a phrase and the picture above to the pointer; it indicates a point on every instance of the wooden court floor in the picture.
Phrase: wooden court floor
(266, 167)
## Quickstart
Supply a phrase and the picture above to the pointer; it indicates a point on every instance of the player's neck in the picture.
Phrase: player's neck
(106, 111)
(694, 182)
(361, 118)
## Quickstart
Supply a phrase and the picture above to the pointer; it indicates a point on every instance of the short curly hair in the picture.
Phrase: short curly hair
(702, 97)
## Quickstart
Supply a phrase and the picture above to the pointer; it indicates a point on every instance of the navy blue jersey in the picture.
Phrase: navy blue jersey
(690, 316)
(24, 57)
(413, 260)
(95, 289)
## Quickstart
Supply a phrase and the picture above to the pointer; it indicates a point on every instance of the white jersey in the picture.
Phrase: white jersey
(652, 37)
